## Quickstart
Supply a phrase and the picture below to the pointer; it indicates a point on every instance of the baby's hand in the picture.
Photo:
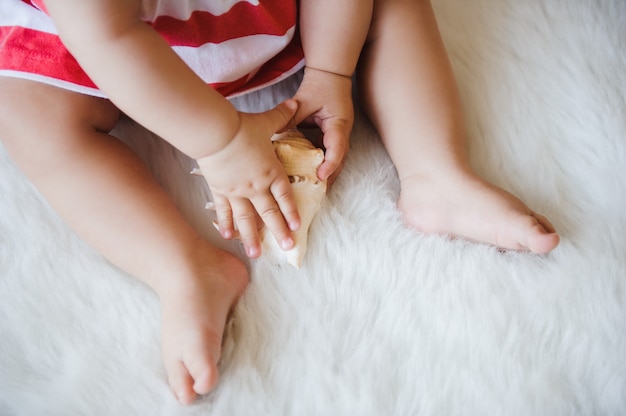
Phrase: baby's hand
(246, 178)
(325, 100)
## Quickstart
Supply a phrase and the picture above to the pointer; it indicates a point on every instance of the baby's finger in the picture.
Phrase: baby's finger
(282, 192)
(332, 178)
(336, 142)
(224, 216)
(305, 114)
(245, 217)
(270, 214)
(282, 115)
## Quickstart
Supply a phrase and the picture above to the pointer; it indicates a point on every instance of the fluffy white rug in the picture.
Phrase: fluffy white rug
(380, 320)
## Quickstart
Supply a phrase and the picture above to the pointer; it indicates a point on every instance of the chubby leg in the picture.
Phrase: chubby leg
(409, 93)
(104, 192)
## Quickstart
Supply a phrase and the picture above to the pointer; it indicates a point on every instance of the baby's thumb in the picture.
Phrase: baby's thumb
(283, 115)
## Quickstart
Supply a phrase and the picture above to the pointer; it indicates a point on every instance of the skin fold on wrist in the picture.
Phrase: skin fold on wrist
(328, 72)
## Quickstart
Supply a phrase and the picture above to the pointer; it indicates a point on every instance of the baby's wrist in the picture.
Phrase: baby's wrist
(327, 71)
(219, 140)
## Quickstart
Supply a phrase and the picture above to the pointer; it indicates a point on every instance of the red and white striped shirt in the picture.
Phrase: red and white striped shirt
(236, 46)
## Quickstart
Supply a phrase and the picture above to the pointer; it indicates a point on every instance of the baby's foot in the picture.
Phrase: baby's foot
(463, 205)
(194, 315)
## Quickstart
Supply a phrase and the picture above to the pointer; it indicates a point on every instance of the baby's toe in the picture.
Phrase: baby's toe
(539, 235)
(543, 242)
(203, 370)
(201, 358)
(544, 222)
(181, 383)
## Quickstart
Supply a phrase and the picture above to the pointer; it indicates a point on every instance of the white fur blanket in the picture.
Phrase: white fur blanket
(380, 320)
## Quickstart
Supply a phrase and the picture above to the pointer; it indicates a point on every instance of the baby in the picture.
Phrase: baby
(70, 67)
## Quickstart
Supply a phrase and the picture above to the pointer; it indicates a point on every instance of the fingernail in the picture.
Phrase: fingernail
(287, 243)
(294, 225)
(227, 234)
(252, 251)
(291, 104)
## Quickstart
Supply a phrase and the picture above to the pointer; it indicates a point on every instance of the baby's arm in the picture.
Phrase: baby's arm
(144, 77)
(333, 33)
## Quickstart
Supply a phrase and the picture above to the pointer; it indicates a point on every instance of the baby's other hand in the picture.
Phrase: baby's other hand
(247, 181)
(325, 101)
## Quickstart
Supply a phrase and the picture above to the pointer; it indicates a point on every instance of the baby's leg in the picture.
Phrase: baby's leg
(102, 189)
(409, 92)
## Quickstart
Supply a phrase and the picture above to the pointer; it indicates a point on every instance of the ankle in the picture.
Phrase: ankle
(191, 269)
(437, 176)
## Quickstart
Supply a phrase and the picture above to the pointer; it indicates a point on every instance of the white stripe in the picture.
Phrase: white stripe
(182, 10)
(232, 59)
(18, 13)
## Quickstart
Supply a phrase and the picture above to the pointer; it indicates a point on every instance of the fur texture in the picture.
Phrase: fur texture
(380, 320)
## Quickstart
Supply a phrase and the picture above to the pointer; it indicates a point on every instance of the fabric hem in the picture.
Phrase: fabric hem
(94, 92)
(55, 82)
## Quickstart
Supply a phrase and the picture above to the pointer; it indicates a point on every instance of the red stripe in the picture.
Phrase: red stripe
(40, 5)
(243, 19)
(32, 51)
(229, 88)
(36, 3)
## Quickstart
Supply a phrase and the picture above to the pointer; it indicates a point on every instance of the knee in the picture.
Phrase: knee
(383, 3)
(389, 10)
(393, 15)
(32, 113)
(41, 125)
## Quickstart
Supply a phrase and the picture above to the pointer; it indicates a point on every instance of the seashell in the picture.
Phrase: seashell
(300, 159)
